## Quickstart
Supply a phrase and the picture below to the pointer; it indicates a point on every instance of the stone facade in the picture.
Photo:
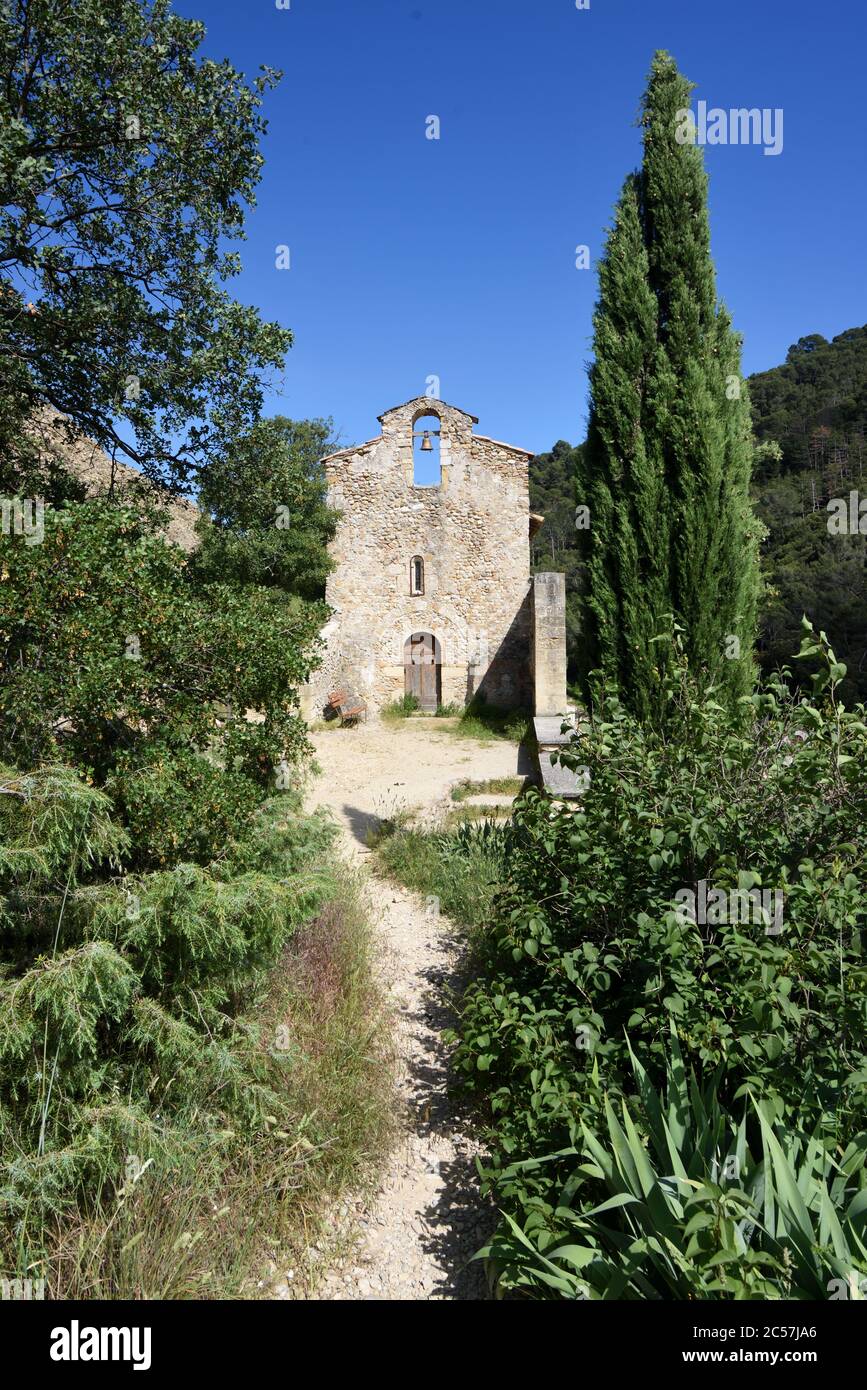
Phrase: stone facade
(472, 533)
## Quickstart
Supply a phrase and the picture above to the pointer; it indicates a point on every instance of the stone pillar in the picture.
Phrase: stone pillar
(549, 643)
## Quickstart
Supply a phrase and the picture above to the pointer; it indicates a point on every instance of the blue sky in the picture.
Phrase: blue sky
(456, 258)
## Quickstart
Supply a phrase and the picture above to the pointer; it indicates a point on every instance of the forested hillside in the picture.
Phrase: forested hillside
(555, 544)
(814, 408)
(810, 421)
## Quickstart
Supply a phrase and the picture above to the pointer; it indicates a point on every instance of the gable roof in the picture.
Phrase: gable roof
(431, 407)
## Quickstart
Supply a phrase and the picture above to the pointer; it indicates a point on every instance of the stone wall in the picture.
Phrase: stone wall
(473, 535)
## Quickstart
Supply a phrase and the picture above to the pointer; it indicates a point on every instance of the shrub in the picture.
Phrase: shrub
(107, 644)
(178, 805)
(121, 1028)
(591, 951)
(671, 1201)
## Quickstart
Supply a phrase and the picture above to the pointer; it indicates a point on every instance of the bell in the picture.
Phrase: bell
(426, 445)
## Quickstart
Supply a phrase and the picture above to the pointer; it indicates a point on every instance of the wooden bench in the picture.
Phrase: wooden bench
(347, 706)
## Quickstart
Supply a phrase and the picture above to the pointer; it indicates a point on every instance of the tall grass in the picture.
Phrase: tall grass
(221, 1211)
(463, 869)
(486, 723)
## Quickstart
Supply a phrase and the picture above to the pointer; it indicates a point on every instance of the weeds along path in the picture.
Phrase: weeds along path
(414, 1239)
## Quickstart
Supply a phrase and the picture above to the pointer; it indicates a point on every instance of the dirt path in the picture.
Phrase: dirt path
(416, 1237)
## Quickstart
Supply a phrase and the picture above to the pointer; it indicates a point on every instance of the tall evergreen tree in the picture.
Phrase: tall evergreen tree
(667, 464)
(627, 540)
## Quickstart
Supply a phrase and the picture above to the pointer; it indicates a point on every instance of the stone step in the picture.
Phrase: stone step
(558, 780)
(549, 727)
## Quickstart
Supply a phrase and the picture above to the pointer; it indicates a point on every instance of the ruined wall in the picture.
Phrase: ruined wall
(472, 532)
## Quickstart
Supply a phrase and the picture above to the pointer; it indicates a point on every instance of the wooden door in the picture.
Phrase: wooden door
(420, 670)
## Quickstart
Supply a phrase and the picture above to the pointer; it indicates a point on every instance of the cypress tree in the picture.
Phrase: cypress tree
(667, 463)
(626, 545)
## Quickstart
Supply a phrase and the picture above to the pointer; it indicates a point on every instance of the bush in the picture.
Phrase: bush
(122, 1028)
(178, 805)
(107, 644)
(689, 1211)
(593, 950)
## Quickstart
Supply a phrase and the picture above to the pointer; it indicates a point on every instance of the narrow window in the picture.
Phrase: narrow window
(426, 471)
(416, 575)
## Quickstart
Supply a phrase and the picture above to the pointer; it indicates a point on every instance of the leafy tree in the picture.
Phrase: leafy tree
(667, 464)
(114, 658)
(126, 162)
(267, 519)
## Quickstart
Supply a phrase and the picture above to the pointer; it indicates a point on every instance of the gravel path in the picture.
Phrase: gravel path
(416, 1238)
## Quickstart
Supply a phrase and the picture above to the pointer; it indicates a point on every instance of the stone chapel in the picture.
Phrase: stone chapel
(431, 593)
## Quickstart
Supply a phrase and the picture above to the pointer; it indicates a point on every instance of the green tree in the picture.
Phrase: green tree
(116, 659)
(267, 521)
(126, 165)
(627, 543)
(667, 466)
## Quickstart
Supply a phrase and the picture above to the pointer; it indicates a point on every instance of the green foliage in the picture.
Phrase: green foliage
(127, 162)
(666, 468)
(810, 417)
(590, 952)
(178, 805)
(674, 1199)
(120, 996)
(400, 709)
(462, 869)
(268, 522)
(813, 407)
(114, 658)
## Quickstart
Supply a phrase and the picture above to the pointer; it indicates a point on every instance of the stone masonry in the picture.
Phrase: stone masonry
(472, 533)
(549, 643)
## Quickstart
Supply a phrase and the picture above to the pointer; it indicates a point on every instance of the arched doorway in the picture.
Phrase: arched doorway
(422, 670)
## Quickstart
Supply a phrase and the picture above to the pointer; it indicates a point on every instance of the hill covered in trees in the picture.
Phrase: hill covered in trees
(555, 544)
(810, 420)
(810, 423)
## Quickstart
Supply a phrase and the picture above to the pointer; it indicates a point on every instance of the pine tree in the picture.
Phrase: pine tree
(667, 465)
